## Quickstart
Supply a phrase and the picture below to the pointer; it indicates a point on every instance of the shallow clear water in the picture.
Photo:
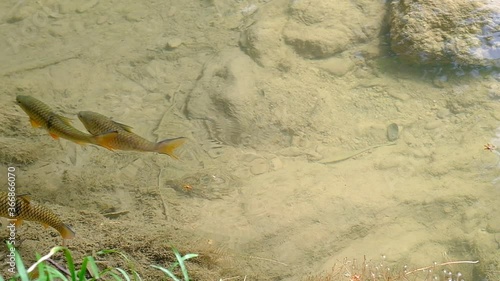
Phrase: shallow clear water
(288, 167)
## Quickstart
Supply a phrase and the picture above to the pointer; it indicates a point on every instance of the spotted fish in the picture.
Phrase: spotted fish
(97, 124)
(23, 209)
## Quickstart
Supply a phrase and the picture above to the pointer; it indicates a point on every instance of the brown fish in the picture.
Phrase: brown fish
(97, 124)
(41, 115)
(23, 209)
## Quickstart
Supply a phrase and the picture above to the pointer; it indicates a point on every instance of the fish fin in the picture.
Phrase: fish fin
(81, 142)
(54, 136)
(34, 123)
(169, 145)
(124, 127)
(106, 139)
(18, 222)
(65, 120)
(25, 197)
(66, 232)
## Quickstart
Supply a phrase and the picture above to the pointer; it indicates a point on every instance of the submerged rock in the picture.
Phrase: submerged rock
(327, 28)
(222, 96)
(460, 32)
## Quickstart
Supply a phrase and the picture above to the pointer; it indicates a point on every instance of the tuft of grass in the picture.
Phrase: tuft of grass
(180, 263)
(88, 271)
(130, 264)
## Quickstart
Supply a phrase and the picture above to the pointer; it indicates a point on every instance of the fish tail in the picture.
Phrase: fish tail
(169, 145)
(66, 232)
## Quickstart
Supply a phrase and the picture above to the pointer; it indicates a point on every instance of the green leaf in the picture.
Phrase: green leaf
(92, 267)
(181, 262)
(71, 264)
(123, 273)
(21, 270)
(166, 271)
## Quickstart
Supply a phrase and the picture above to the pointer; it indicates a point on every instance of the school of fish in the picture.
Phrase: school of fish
(103, 132)
(42, 116)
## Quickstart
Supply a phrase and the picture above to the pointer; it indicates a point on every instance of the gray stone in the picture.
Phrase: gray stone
(460, 32)
(392, 132)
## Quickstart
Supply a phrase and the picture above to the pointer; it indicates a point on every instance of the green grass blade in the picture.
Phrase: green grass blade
(181, 262)
(41, 269)
(137, 277)
(44, 258)
(21, 270)
(112, 251)
(167, 272)
(189, 256)
(71, 264)
(123, 273)
(53, 273)
(115, 276)
(89, 264)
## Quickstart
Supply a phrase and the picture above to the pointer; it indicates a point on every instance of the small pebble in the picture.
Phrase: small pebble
(443, 113)
(259, 166)
(173, 43)
(248, 10)
(136, 15)
(392, 132)
(337, 66)
(399, 95)
(433, 125)
(276, 163)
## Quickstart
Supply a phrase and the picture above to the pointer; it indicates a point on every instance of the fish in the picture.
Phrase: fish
(42, 116)
(96, 124)
(24, 209)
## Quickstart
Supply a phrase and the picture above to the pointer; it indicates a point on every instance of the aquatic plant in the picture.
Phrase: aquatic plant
(46, 269)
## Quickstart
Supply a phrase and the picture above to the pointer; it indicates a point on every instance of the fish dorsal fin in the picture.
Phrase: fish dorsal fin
(25, 197)
(65, 120)
(123, 126)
